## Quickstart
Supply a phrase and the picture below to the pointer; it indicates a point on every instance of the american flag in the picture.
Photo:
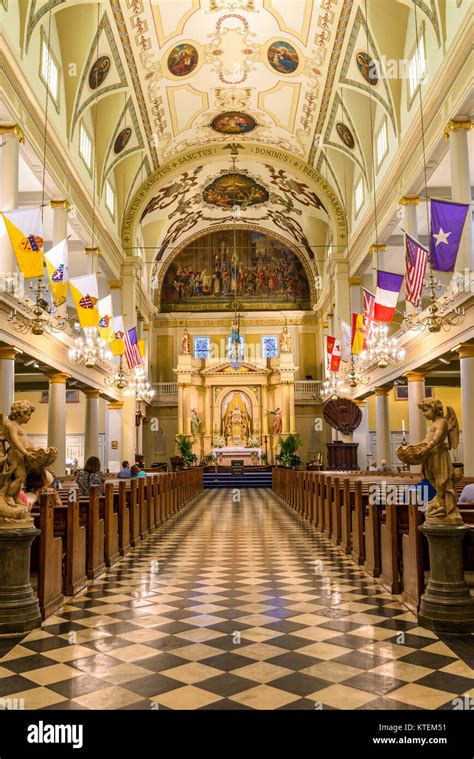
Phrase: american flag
(132, 351)
(369, 304)
(416, 260)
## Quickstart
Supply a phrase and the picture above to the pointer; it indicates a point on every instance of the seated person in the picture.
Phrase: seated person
(136, 472)
(36, 483)
(90, 475)
(373, 467)
(384, 467)
(124, 473)
(467, 495)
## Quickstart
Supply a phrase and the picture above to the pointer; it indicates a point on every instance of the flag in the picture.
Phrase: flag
(132, 352)
(57, 267)
(416, 260)
(447, 222)
(117, 345)
(329, 348)
(25, 231)
(141, 347)
(105, 325)
(85, 292)
(346, 341)
(386, 295)
(369, 304)
(358, 335)
(335, 357)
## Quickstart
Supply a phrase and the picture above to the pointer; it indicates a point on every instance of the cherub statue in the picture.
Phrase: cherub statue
(433, 454)
(17, 458)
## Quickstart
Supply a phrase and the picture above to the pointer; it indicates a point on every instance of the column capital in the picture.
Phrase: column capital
(8, 352)
(92, 250)
(115, 404)
(355, 281)
(90, 392)
(377, 247)
(409, 200)
(382, 390)
(415, 376)
(360, 402)
(60, 203)
(465, 350)
(13, 129)
(115, 284)
(146, 327)
(456, 124)
(57, 378)
(130, 265)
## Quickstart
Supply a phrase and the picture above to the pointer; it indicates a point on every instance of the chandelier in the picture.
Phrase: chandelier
(382, 349)
(333, 387)
(119, 378)
(139, 386)
(89, 349)
(39, 317)
(437, 315)
(353, 375)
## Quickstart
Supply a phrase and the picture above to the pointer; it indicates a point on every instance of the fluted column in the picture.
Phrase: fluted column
(382, 419)
(91, 445)
(114, 434)
(416, 420)
(57, 419)
(7, 378)
(11, 135)
(409, 204)
(361, 434)
(456, 131)
(466, 357)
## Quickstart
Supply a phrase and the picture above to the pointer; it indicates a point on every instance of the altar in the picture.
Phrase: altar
(237, 453)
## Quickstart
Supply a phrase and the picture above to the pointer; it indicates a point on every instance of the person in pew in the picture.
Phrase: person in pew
(467, 495)
(373, 467)
(37, 482)
(136, 472)
(124, 473)
(384, 467)
(90, 475)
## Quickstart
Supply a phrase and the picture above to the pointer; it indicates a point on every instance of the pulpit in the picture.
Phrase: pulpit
(342, 456)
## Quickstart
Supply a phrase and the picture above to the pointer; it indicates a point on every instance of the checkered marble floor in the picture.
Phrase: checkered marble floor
(235, 606)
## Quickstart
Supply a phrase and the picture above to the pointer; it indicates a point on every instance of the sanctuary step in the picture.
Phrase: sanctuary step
(251, 478)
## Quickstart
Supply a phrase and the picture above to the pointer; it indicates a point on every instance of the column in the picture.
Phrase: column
(7, 378)
(456, 131)
(382, 424)
(60, 212)
(146, 441)
(115, 287)
(285, 409)
(11, 135)
(128, 428)
(377, 251)
(356, 300)
(416, 420)
(264, 410)
(409, 204)
(180, 408)
(57, 420)
(114, 435)
(129, 286)
(466, 356)
(361, 434)
(91, 446)
(291, 404)
(342, 304)
(92, 253)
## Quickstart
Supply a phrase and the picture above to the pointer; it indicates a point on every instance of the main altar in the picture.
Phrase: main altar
(237, 412)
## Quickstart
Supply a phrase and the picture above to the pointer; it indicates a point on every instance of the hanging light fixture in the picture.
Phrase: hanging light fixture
(333, 387)
(89, 349)
(119, 378)
(139, 386)
(39, 317)
(354, 375)
(382, 349)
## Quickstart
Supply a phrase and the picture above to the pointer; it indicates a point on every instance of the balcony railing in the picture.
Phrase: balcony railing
(165, 388)
(307, 389)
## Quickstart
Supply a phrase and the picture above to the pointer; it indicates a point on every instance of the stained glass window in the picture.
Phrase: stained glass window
(269, 346)
(202, 347)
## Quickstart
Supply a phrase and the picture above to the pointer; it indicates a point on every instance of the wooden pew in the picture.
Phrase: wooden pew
(49, 559)
(142, 507)
(95, 530)
(123, 518)
(134, 510)
(109, 511)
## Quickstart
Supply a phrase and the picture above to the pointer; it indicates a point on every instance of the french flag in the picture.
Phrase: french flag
(386, 295)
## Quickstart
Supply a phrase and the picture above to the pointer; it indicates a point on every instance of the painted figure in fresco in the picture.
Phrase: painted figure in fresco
(285, 341)
(283, 57)
(183, 59)
(233, 122)
(122, 140)
(367, 67)
(186, 343)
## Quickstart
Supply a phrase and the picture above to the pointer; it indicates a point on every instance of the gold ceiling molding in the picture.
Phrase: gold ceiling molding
(161, 321)
(216, 152)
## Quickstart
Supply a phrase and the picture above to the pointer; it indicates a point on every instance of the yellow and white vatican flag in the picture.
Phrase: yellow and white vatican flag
(57, 266)
(25, 230)
(141, 348)
(117, 345)
(106, 318)
(85, 292)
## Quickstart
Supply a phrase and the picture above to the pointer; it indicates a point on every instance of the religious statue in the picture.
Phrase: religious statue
(17, 458)
(186, 343)
(433, 454)
(195, 423)
(236, 422)
(285, 341)
(277, 422)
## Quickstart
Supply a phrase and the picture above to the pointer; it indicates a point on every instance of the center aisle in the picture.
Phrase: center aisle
(164, 625)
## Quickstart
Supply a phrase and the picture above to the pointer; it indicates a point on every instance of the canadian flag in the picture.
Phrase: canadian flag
(334, 353)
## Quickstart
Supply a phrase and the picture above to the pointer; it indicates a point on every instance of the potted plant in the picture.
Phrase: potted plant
(288, 447)
(184, 444)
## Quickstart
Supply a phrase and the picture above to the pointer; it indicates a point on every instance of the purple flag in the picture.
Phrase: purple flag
(447, 222)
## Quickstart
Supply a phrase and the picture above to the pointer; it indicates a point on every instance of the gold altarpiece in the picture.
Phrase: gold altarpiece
(238, 405)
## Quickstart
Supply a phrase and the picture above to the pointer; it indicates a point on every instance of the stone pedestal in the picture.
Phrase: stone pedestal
(19, 608)
(446, 606)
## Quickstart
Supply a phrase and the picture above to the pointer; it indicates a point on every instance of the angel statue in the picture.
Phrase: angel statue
(17, 458)
(433, 454)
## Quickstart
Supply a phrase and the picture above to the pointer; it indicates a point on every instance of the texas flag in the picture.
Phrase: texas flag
(447, 222)
(386, 295)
